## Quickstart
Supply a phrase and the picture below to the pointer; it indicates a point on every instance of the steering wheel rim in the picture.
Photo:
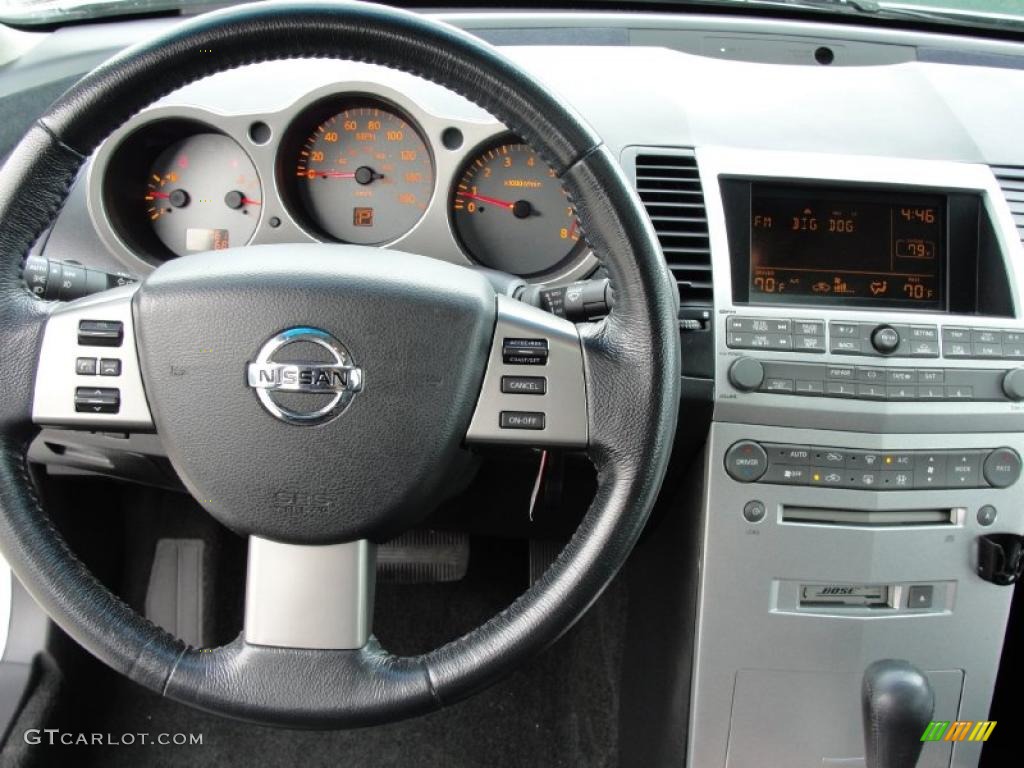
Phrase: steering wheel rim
(631, 361)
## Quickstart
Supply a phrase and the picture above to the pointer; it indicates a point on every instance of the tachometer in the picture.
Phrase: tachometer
(364, 175)
(203, 194)
(512, 213)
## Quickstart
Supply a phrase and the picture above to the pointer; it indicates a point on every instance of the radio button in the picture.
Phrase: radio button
(901, 393)
(746, 461)
(1002, 468)
(956, 348)
(885, 339)
(847, 346)
(1013, 337)
(930, 375)
(871, 391)
(844, 330)
(777, 385)
(987, 349)
(931, 392)
(986, 336)
(810, 388)
(809, 343)
(1013, 350)
(840, 389)
(922, 349)
(956, 334)
(901, 375)
(873, 375)
(844, 372)
(811, 328)
(957, 392)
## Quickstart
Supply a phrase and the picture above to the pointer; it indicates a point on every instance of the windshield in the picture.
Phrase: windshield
(987, 13)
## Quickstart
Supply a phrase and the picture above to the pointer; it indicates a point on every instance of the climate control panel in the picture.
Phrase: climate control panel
(749, 461)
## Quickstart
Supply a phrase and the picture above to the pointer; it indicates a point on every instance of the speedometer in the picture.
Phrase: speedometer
(364, 175)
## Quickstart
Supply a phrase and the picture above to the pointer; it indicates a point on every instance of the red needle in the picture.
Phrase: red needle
(336, 174)
(485, 199)
(159, 195)
(247, 201)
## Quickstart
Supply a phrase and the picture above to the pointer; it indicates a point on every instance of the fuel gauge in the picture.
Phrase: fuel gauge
(203, 194)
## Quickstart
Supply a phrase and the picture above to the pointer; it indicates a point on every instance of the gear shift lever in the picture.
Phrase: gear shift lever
(897, 702)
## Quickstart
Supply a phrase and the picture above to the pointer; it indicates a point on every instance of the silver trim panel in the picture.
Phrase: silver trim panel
(56, 379)
(308, 596)
(564, 402)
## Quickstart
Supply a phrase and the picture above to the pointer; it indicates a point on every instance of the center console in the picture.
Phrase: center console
(865, 452)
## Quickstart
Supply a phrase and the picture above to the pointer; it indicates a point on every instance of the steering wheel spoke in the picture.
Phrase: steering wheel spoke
(534, 391)
(310, 596)
(88, 370)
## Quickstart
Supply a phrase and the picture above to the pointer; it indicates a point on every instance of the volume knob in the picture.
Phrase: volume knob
(1013, 384)
(746, 374)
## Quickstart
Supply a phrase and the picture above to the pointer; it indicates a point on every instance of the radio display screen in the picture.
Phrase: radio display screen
(859, 247)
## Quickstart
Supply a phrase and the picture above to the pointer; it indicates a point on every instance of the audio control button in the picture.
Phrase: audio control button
(885, 339)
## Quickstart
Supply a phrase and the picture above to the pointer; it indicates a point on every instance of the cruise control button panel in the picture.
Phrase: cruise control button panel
(534, 391)
(783, 464)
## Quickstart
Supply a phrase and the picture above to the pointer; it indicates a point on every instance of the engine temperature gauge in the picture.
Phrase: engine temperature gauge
(512, 213)
(203, 194)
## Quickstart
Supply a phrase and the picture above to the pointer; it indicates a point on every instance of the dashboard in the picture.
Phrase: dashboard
(847, 242)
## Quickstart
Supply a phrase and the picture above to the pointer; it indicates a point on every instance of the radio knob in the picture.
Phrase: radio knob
(1013, 384)
(885, 339)
(746, 374)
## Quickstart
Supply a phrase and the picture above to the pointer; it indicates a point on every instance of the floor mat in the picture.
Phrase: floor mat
(560, 710)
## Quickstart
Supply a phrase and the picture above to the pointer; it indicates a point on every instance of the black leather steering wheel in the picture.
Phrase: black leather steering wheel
(396, 451)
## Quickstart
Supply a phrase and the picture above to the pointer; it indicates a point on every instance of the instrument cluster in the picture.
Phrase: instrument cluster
(344, 167)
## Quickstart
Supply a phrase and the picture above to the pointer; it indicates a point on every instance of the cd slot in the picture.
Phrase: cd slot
(872, 518)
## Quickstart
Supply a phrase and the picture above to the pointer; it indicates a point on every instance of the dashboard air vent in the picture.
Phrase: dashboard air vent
(669, 186)
(1011, 179)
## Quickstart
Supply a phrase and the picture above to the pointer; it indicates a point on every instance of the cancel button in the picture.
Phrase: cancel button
(524, 385)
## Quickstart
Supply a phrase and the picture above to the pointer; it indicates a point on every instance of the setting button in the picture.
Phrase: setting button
(524, 351)
(1002, 468)
(85, 366)
(521, 420)
(510, 385)
(110, 367)
(97, 400)
(746, 461)
(100, 333)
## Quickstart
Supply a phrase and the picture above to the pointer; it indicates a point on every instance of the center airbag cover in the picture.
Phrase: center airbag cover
(413, 333)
